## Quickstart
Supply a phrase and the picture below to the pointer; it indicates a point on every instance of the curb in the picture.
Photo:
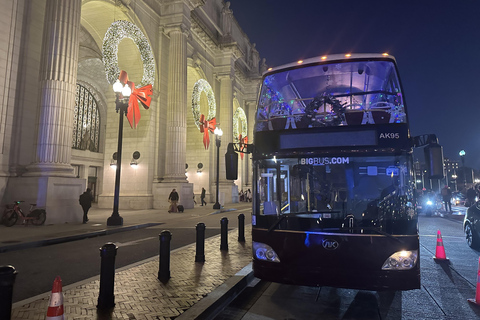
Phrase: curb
(212, 304)
(48, 242)
(223, 210)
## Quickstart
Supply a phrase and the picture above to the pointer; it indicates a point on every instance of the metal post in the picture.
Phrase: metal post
(106, 298)
(7, 279)
(241, 227)
(164, 263)
(224, 234)
(200, 252)
(218, 143)
(115, 219)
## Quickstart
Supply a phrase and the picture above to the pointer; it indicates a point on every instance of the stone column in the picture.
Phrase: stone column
(250, 109)
(176, 124)
(228, 191)
(176, 136)
(225, 120)
(50, 181)
(58, 77)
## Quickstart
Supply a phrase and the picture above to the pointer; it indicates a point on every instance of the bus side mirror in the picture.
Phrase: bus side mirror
(434, 160)
(231, 163)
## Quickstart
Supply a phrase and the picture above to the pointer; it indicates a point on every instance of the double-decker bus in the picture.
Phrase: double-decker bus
(333, 182)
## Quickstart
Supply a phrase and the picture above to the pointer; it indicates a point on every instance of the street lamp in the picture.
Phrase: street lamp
(122, 93)
(462, 156)
(218, 141)
(454, 177)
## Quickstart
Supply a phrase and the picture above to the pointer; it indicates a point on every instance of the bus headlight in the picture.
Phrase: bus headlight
(401, 260)
(263, 251)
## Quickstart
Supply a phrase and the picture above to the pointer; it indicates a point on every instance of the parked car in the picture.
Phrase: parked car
(471, 226)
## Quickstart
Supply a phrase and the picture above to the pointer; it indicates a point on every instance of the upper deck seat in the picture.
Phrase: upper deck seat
(381, 112)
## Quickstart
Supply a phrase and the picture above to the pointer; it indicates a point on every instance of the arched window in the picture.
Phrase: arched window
(86, 121)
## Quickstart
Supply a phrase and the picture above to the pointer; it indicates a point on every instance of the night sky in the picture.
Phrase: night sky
(436, 45)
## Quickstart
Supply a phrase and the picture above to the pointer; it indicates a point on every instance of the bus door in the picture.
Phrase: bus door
(275, 191)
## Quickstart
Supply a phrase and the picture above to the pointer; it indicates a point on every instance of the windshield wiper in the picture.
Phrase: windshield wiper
(276, 223)
(383, 233)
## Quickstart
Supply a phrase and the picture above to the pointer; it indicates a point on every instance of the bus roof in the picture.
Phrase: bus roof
(329, 58)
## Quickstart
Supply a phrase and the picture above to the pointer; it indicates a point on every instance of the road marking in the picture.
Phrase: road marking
(132, 243)
(434, 236)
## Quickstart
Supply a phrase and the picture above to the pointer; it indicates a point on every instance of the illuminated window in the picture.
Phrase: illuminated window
(86, 121)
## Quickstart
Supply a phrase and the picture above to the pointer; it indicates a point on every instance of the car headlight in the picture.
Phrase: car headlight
(429, 202)
(263, 251)
(401, 260)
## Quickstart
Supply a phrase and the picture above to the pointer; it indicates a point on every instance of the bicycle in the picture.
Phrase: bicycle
(36, 216)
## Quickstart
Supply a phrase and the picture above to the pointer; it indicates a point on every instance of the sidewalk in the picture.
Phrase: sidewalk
(20, 236)
(194, 290)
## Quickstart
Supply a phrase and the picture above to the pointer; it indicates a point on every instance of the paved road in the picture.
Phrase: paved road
(444, 293)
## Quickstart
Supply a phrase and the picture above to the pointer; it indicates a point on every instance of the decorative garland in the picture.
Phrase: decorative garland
(199, 87)
(118, 31)
(239, 115)
(331, 119)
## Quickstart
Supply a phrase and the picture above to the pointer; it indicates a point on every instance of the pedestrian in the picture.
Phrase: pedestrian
(85, 200)
(447, 196)
(249, 196)
(471, 194)
(173, 198)
(202, 197)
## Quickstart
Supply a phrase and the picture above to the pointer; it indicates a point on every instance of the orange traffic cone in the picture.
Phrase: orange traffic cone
(477, 295)
(440, 255)
(55, 306)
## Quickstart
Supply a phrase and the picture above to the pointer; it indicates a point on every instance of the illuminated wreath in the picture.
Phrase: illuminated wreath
(199, 87)
(239, 115)
(118, 31)
(334, 118)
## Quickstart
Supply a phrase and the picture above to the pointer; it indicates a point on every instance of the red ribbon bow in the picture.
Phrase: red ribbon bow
(243, 144)
(142, 94)
(205, 126)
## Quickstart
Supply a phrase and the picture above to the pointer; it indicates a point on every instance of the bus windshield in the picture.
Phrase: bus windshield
(332, 94)
(376, 191)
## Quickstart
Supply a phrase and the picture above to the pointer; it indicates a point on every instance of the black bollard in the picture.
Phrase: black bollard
(224, 234)
(106, 298)
(7, 279)
(164, 263)
(200, 252)
(241, 227)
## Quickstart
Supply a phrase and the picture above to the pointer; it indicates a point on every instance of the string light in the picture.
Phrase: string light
(118, 31)
(200, 86)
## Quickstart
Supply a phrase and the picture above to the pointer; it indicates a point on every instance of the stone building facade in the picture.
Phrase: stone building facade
(58, 124)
